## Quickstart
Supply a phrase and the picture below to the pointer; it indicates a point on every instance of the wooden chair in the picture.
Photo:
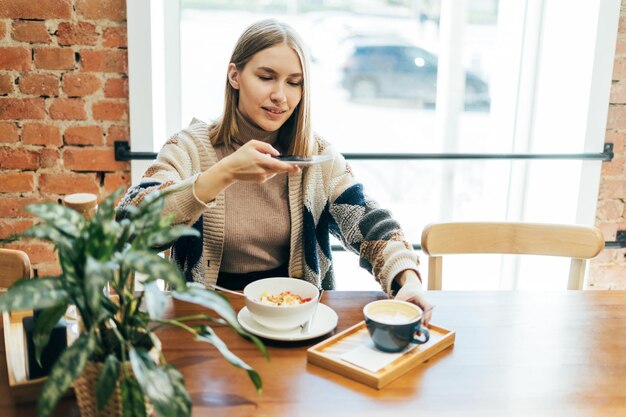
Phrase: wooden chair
(14, 264)
(577, 242)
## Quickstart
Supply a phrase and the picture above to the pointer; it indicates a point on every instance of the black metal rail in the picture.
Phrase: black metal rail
(123, 153)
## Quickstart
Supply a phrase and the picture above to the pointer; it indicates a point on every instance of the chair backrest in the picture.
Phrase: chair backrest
(577, 242)
(14, 264)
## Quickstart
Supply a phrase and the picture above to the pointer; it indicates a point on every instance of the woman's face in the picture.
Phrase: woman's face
(270, 86)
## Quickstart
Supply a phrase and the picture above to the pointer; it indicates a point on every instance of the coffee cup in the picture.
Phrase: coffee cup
(394, 324)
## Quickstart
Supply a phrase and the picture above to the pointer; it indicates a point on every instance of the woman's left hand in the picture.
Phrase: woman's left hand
(411, 291)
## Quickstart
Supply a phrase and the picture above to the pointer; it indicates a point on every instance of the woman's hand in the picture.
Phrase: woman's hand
(252, 162)
(411, 291)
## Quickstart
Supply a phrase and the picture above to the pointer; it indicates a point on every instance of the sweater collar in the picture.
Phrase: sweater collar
(248, 131)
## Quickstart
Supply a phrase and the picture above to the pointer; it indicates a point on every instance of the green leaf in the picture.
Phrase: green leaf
(106, 207)
(156, 301)
(133, 404)
(29, 294)
(97, 274)
(44, 323)
(155, 267)
(60, 217)
(182, 399)
(107, 380)
(197, 294)
(67, 368)
(154, 381)
(165, 236)
(206, 334)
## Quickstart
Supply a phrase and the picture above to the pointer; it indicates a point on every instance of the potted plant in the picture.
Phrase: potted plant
(102, 255)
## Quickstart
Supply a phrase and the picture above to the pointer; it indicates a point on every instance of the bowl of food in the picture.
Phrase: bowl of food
(281, 303)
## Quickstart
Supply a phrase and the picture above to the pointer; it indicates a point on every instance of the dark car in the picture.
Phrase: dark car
(402, 71)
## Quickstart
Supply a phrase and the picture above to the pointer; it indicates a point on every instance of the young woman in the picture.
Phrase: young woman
(258, 216)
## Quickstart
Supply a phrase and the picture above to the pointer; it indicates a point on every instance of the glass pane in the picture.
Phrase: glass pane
(376, 74)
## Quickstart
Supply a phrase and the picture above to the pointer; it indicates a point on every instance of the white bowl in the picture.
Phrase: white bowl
(285, 317)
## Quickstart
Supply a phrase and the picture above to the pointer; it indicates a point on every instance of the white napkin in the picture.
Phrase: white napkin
(366, 356)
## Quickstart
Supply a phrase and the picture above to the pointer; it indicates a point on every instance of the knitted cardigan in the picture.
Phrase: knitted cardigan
(323, 199)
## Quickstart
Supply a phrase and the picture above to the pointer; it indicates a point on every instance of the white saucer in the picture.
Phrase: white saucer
(325, 320)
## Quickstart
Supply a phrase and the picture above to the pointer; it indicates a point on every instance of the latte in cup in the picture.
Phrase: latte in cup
(392, 318)
(394, 324)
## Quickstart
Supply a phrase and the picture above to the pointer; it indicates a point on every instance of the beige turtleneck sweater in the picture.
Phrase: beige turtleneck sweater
(257, 225)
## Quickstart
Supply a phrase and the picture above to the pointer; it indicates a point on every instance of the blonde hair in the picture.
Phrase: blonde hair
(295, 134)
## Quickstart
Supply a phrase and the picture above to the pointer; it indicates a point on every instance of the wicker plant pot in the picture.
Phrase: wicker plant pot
(85, 388)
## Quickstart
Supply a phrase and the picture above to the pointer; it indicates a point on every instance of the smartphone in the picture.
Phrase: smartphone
(303, 160)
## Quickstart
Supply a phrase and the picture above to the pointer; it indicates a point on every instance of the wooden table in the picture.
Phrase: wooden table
(516, 354)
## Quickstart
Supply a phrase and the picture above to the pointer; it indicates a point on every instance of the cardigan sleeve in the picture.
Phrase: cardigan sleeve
(175, 170)
(366, 228)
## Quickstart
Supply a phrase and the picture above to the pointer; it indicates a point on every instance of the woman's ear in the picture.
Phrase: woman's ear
(233, 76)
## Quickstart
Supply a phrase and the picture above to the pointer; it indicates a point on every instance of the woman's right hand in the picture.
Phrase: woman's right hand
(252, 162)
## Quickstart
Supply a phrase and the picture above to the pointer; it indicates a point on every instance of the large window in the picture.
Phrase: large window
(433, 76)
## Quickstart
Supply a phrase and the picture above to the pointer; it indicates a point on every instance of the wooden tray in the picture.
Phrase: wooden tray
(327, 354)
(22, 389)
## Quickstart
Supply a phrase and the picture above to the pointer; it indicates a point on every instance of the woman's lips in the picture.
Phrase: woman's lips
(273, 112)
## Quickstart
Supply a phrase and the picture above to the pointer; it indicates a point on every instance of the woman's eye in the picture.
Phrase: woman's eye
(265, 78)
(295, 83)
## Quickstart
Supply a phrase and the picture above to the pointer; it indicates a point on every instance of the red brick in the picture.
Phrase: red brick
(49, 158)
(110, 110)
(102, 9)
(89, 159)
(115, 37)
(619, 69)
(608, 277)
(6, 83)
(3, 30)
(79, 84)
(47, 269)
(37, 251)
(68, 183)
(10, 227)
(609, 209)
(115, 180)
(17, 182)
(14, 206)
(54, 58)
(618, 93)
(116, 88)
(620, 47)
(613, 168)
(83, 135)
(39, 84)
(29, 9)
(15, 58)
(621, 28)
(612, 189)
(22, 108)
(104, 61)
(81, 33)
(117, 133)
(616, 117)
(30, 31)
(41, 134)
(9, 132)
(68, 109)
(17, 158)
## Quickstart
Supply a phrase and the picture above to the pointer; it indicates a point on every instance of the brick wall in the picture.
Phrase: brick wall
(63, 101)
(608, 271)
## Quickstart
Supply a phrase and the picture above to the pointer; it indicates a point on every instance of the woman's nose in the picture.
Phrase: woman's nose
(278, 96)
